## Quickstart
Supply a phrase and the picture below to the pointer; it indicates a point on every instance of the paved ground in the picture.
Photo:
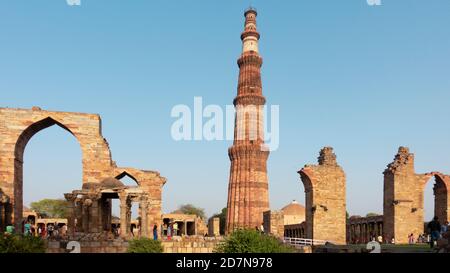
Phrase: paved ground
(385, 248)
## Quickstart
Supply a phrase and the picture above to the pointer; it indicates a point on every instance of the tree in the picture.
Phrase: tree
(252, 241)
(21, 244)
(371, 214)
(223, 220)
(51, 208)
(191, 209)
(144, 245)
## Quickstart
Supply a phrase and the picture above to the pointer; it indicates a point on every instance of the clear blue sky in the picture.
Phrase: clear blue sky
(363, 79)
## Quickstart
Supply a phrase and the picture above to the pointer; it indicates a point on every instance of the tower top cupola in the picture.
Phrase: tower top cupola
(250, 36)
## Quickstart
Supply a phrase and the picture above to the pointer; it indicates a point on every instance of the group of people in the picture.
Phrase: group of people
(45, 232)
(436, 231)
(172, 229)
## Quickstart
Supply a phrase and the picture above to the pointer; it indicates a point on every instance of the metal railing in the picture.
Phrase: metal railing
(300, 242)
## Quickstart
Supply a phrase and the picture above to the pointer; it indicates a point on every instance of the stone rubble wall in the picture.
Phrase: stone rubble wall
(192, 245)
(325, 190)
(177, 245)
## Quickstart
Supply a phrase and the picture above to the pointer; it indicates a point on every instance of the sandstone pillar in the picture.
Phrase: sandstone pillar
(71, 212)
(87, 203)
(325, 190)
(78, 215)
(95, 215)
(124, 212)
(144, 217)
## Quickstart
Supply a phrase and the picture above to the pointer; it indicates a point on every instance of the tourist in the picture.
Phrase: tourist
(43, 233)
(420, 239)
(380, 239)
(64, 230)
(435, 229)
(175, 229)
(9, 230)
(155, 232)
(262, 228)
(50, 230)
(56, 230)
(393, 241)
(444, 228)
(411, 239)
(169, 232)
(27, 229)
(136, 231)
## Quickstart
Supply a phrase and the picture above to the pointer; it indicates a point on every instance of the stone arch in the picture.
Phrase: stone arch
(441, 194)
(126, 174)
(403, 204)
(19, 150)
(18, 126)
(325, 202)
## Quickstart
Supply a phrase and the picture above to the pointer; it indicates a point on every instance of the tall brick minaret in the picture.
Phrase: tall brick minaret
(248, 189)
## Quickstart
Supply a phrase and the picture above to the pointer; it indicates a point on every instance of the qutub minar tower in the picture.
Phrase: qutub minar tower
(248, 189)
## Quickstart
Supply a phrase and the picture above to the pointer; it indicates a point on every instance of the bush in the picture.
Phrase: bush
(21, 244)
(252, 241)
(144, 245)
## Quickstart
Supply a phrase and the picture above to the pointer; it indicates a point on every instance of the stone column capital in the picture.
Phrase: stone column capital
(87, 202)
(71, 197)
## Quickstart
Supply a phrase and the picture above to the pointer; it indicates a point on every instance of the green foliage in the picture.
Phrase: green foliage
(21, 244)
(370, 214)
(191, 209)
(144, 245)
(223, 219)
(252, 241)
(51, 208)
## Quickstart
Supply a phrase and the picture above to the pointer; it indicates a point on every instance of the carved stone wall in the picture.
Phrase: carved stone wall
(18, 126)
(325, 189)
(404, 197)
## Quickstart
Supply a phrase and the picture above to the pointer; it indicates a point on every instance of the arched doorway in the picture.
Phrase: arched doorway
(52, 166)
(403, 204)
(439, 190)
(19, 150)
(135, 220)
(325, 199)
(18, 126)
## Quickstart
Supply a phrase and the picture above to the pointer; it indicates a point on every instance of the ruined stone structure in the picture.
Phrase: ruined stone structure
(4, 209)
(18, 126)
(360, 230)
(274, 223)
(187, 224)
(248, 190)
(404, 197)
(325, 189)
(214, 227)
(295, 230)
